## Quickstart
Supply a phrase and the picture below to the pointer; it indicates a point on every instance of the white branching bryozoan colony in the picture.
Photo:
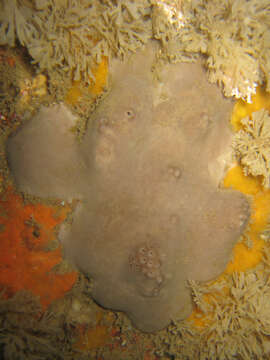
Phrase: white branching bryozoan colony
(72, 36)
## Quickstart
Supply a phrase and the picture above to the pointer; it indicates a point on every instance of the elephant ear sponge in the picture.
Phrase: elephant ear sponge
(152, 214)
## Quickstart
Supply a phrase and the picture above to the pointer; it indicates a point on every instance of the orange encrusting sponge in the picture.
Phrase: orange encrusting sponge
(26, 229)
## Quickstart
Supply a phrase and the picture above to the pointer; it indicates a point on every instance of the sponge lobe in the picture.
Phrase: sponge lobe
(43, 155)
(152, 215)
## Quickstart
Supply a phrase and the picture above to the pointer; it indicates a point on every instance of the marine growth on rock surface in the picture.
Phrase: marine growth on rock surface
(151, 214)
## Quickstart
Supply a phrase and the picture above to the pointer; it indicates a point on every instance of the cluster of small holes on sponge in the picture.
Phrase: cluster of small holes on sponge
(146, 260)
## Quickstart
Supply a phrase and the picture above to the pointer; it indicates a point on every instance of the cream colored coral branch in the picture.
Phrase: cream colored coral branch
(252, 145)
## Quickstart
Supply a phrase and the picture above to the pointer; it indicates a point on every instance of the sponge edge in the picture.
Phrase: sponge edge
(43, 155)
(143, 176)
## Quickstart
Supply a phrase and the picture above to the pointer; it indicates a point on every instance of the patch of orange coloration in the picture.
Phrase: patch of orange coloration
(149, 356)
(5, 57)
(26, 229)
(96, 88)
(11, 61)
(92, 338)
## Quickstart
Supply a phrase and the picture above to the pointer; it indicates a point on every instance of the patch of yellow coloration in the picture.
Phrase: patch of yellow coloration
(244, 258)
(92, 338)
(95, 88)
(235, 179)
(242, 109)
(74, 93)
(25, 91)
(40, 85)
(109, 317)
(198, 318)
(101, 75)
(32, 88)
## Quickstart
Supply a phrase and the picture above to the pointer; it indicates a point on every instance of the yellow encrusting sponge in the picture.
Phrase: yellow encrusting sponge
(248, 252)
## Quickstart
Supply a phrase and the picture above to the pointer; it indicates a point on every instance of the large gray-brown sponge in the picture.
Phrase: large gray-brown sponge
(152, 215)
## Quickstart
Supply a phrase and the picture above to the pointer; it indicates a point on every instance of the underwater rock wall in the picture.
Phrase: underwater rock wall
(147, 178)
